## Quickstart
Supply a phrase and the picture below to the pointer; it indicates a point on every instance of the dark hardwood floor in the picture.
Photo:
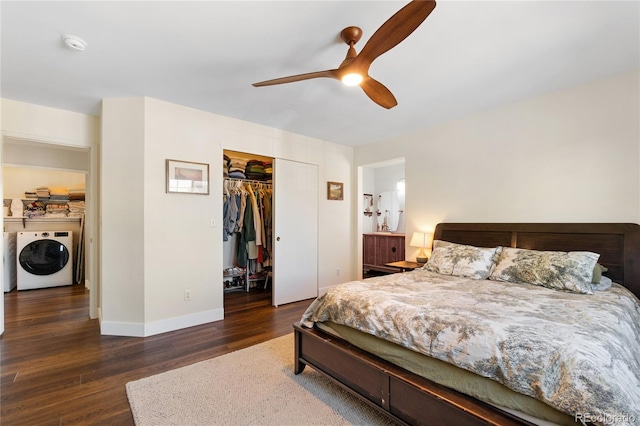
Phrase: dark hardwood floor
(56, 368)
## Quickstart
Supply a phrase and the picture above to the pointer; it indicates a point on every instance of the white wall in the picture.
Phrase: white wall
(386, 178)
(569, 156)
(336, 259)
(156, 245)
(51, 125)
(182, 252)
(122, 217)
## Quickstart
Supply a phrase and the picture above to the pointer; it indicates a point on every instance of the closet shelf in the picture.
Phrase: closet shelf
(43, 219)
(234, 287)
(47, 200)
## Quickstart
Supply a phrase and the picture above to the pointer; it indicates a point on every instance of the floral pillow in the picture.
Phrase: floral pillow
(570, 271)
(462, 260)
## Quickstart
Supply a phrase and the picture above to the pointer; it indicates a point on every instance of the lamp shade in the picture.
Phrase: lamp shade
(422, 240)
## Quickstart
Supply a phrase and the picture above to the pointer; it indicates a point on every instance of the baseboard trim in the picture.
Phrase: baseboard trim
(109, 328)
(185, 321)
(126, 329)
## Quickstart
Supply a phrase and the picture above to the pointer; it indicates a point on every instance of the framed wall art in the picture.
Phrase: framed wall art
(187, 177)
(335, 190)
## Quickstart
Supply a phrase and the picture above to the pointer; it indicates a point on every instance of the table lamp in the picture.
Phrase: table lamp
(422, 240)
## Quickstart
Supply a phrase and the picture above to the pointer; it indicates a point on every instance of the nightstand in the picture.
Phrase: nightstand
(404, 265)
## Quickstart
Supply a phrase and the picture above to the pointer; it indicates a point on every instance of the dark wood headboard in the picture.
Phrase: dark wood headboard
(617, 243)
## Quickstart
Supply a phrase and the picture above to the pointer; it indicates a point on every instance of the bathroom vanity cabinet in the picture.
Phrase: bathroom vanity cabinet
(380, 249)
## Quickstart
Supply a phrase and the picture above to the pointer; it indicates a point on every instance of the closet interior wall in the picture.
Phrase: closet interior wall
(247, 228)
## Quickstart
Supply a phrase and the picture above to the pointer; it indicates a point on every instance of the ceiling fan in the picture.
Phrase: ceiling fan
(354, 70)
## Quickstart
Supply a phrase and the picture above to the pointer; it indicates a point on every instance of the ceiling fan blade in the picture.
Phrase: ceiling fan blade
(378, 93)
(394, 30)
(299, 77)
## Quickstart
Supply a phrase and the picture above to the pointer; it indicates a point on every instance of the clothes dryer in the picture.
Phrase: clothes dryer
(44, 259)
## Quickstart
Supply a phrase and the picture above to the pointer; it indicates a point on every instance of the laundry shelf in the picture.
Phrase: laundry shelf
(41, 219)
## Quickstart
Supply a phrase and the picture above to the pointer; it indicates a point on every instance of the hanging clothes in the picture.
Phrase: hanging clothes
(267, 222)
(247, 213)
(247, 236)
(257, 217)
(230, 209)
(225, 214)
(242, 206)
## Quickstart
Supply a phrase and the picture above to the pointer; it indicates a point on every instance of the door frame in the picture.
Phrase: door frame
(91, 214)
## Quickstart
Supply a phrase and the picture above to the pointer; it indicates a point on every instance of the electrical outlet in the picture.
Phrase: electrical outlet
(187, 295)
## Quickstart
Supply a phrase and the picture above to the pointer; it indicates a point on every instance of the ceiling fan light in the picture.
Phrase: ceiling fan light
(352, 79)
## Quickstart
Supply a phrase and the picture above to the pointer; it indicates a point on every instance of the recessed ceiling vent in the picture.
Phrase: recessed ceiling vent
(74, 43)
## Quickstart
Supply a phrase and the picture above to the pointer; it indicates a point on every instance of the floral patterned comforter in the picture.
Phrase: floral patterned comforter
(577, 353)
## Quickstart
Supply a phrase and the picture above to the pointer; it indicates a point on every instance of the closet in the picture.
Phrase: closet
(281, 253)
(247, 221)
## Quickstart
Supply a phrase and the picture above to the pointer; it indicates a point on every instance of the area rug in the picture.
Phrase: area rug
(252, 386)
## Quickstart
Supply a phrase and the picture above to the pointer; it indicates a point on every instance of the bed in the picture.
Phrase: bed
(394, 384)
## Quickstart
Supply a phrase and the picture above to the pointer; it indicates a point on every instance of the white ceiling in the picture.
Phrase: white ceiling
(466, 57)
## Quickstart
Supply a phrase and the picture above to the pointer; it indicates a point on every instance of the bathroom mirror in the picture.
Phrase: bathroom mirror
(387, 211)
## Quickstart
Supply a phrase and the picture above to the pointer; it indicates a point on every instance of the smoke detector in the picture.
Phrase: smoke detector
(73, 42)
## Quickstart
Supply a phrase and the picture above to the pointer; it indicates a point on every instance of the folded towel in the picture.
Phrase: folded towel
(58, 190)
(17, 208)
(76, 188)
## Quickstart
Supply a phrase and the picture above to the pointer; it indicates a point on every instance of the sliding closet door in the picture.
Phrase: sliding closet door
(295, 231)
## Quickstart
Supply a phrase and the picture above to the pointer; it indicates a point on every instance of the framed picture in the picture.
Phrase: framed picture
(187, 177)
(335, 191)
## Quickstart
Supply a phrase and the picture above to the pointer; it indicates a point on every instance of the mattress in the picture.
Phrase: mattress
(448, 375)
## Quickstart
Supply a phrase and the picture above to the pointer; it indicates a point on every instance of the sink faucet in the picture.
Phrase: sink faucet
(385, 222)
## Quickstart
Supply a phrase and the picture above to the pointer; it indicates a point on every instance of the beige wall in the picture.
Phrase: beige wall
(156, 245)
(569, 156)
(122, 216)
(51, 125)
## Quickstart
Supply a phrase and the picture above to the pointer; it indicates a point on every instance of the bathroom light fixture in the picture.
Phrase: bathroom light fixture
(74, 42)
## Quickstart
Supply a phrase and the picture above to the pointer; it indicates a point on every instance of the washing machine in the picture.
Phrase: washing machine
(44, 259)
(9, 261)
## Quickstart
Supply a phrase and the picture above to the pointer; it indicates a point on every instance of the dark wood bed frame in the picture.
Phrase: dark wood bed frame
(410, 399)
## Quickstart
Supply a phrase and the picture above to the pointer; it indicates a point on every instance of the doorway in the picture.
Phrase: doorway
(382, 205)
(247, 226)
(28, 165)
(278, 252)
